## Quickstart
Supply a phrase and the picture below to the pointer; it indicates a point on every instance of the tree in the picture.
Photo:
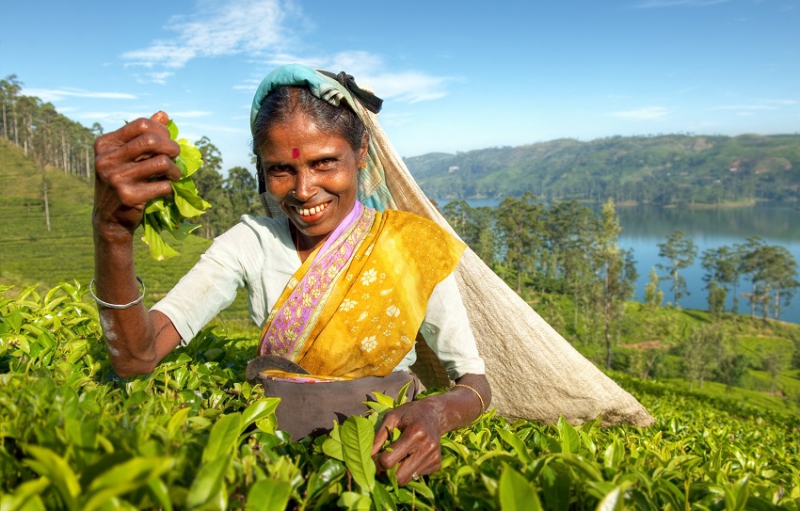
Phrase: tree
(519, 223)
(680, 251)
(242, 189)
(723, 266)
(571, 231)
(773, 271)
(209, 184)
(702, 348)
(615, 274)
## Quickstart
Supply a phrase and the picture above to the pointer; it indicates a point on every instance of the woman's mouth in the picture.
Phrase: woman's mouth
(310, 212)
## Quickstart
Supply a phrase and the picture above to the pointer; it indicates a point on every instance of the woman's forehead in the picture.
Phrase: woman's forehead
(299, 138)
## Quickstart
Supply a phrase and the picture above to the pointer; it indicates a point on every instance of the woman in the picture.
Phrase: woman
(347, 287)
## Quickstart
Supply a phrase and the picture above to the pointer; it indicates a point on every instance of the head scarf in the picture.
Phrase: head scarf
(334, 89)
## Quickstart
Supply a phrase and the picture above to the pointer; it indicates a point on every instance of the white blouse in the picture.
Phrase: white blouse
(259, 253)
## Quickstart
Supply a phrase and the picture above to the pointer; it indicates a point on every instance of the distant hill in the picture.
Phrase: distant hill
(668, 169)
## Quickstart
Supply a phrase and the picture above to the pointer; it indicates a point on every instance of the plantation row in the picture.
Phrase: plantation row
(193, 435)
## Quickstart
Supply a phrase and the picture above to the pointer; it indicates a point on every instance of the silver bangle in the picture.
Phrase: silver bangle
(114, 305)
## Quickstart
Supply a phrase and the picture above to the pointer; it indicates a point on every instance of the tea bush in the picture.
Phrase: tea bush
(194, 435)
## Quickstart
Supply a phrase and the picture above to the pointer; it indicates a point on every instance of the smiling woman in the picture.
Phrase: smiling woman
(341, 286)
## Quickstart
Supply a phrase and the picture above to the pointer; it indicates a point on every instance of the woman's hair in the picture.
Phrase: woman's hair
(286, 100)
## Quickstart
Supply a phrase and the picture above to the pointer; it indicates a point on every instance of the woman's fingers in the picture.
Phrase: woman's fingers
(417, 451)
(160, 117)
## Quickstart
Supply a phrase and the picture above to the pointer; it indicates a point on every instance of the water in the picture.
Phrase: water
(643, 227)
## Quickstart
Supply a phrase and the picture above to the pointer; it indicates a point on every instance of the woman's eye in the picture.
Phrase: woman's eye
(326, 163)
(277, 170)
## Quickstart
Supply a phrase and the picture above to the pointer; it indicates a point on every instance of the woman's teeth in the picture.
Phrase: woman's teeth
(311, 211)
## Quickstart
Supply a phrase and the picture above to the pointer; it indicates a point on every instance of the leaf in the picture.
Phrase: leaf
(382, 499)
(191, 157)
(26, 496)
(569, 438)
(516, 493)
(208, 482)
(516, 443)
(357, 437)
(332, 446)
(49, 464)
(268, 495)
(258, 410)
(354, 502)
(615, 499)
(186, 198)
(737, 494)
(159, 249)
(224, 437)
(123, 478)
(173, 129)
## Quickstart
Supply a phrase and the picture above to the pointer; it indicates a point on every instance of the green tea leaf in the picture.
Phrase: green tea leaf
(208, 482)
(170, 214)
(357, 437)
(268, 495)
(224, 437)
(516, 493)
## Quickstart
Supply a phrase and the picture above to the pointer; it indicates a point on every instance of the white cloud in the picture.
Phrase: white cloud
(655, 4)
(371, 72)
(758, 106)
(216, 29)
(190, 113)
(59, 94)
(650, 112)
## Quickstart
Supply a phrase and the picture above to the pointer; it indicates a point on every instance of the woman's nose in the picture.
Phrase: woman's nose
(306, 186)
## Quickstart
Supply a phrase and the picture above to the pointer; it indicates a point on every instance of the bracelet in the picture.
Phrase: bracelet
(114, 305)
(483, 407)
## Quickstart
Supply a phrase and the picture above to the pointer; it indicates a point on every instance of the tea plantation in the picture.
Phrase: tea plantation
(193, 435)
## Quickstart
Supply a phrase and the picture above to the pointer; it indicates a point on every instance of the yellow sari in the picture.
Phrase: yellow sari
(355, 310)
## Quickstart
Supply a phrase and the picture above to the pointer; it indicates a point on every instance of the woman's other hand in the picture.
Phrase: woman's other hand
(422, 423)
(132, 166)
(418, 450)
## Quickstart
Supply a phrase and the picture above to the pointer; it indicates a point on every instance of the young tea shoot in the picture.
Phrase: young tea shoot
(172, 214)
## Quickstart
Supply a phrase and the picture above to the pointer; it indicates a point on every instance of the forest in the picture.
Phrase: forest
(666, 170)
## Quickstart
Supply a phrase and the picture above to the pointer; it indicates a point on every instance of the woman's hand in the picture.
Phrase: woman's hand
(132, 166)
(418, 450)
(423, 422)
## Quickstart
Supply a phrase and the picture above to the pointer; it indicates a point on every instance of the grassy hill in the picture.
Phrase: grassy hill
(30, 255)
(668, 169)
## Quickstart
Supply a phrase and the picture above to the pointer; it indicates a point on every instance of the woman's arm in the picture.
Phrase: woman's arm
(423, 422)
(132, 166)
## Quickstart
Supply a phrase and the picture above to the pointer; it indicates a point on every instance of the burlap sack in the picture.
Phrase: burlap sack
(534, 372)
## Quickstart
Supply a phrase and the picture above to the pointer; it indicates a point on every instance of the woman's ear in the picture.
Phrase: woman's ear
(363, 150)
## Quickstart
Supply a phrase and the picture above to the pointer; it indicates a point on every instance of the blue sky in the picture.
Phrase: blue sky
(456, 76)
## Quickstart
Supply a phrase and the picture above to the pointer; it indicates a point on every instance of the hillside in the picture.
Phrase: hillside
(30, 255)
(668, 169)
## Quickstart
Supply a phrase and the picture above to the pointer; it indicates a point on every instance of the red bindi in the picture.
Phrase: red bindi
(295, 153)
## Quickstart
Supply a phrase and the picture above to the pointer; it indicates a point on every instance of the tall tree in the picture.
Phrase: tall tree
(680, 252)
(571, 232)
(615, 274)
(519, 223)
(723, 267)
(773, 271)
(209, 182)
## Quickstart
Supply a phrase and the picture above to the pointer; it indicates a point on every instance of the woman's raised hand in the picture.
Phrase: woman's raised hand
(132, 166)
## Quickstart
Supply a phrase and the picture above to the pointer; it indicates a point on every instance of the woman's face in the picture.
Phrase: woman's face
(312, 174)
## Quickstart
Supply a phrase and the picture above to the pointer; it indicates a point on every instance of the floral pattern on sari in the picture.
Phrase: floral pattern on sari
(362, 320)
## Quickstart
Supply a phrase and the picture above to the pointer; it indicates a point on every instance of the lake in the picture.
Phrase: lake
(643, 227)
